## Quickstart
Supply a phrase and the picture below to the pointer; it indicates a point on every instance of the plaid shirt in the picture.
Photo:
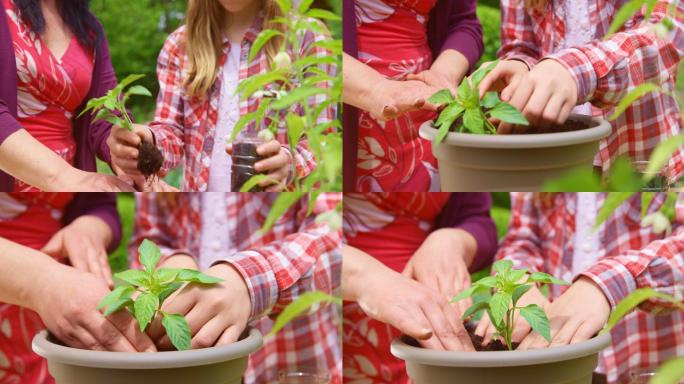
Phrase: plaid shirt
(605, 70)
(541, 238)
(297, 255)
(184, 127)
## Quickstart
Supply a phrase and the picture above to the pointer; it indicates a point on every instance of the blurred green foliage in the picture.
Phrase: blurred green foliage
(126, 205)
(490, 18)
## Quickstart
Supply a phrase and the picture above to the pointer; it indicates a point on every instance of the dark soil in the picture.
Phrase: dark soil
(494, 345)
(150, 159)
(243, 159)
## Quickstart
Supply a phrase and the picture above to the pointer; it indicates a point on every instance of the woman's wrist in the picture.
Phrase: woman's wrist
(452, 64)
(95, 227)
(457, 241)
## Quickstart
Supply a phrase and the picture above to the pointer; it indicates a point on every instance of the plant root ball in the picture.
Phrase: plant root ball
(150, 159)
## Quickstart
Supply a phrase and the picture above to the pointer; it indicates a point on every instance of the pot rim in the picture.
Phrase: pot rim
(43, 346)
(404, 351)
(600, 130)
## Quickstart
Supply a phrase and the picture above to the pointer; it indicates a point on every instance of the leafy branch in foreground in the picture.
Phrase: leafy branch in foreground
(154, 286)
(305, 303)
(468, 113)
(506, 287)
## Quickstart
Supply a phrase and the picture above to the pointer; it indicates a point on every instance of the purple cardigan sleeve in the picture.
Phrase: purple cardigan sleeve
(8, 124)
(454, 25)
(99, 204)
(469, 211)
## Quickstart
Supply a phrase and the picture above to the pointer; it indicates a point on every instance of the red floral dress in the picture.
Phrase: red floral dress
(389, 227)
(30, 219)
(392, 40)
(50, 89)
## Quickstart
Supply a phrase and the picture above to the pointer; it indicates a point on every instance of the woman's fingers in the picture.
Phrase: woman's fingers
(108, 335)
(125, 323)
(441, 326)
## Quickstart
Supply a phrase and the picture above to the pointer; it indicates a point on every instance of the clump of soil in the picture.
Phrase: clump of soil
(150, 159)
(244, 157)
(494, 345)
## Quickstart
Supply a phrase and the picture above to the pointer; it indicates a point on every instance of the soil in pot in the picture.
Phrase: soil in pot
(244, 157)
(150, 159)
(494, 345)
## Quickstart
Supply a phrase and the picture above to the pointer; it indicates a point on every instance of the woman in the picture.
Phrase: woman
(54, 58)
(199, 69)
(262, 273)
(398, 54)
(553, 233)
(406, 255)
(40, 234)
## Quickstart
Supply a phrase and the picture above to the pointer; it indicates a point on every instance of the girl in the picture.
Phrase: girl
(53, 58)
(199, 69)
(553, 233)
(39, 234)
(554, 57)
(262, 273)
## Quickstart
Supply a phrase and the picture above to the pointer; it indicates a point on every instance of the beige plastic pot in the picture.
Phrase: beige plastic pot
(217, 365)
(568, 364)
(517, 162)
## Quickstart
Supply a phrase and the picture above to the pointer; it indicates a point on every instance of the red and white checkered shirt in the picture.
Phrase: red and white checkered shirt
(297, 255)
(541, 238)
(605, 70)
(184, 127)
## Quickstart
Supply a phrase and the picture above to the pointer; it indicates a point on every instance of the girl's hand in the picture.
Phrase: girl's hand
(507, 73)
(577, 315)
(521, 328)
(276, 165)
(545, 95)
(217, 314)
(441, 263)
(123, 145)
(66, 301)
(84, 242)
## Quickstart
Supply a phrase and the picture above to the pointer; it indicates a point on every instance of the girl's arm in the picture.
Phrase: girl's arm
(659, 266)
(518, 40)
(521, 244)
(605, 70)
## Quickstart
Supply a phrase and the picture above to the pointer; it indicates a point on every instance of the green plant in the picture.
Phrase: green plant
(305, 303)
(466, 112)
(506, 287)
(112, 108)
(153, 285)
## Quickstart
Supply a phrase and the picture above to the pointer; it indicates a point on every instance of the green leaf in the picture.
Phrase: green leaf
(632, 96)
(323, 15)
(145, 308)
(168, 291)
(545, 278)
(178, 330)
(261, 39)
(298, 95)
(130, 79)
(661, 155)
(133, 276)
(490, 99)
(301, 305)
(117, 306)
(473, 120)
(613, 200)
(138, 90)
(281, 204)
(194, 276)
(167, 275)
(149, 254)
(488, 281)
(474, 309)
(464, 91)
(481, 72)
(646, 199)
(633, 300)
(122, 291)
(116, 121)
(507, 113)
(449, 114)
(498, 305)
(441, 97)
(502, 266)
(463, 294)
(247, 87)
(304, 5)
(623, 177)
(515, 275)
(253, 181)
(537, 319)
(626, 12)
(295, 128)
(520, 291)
(671, 372)
(581, 179)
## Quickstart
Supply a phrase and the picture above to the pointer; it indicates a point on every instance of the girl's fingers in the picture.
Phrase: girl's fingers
(105, 268)
(230, 335)
(482, 325)
(566, 333)
(584, 332)
(125, 136)
(489, 334)
(566, 109)
(552, 111)
(275, 162)
(521, 95)
(209, 334)
(488, 82)
(199, 316)
(520, 329)
(125, 152)
(536, 104)
(268, 149)
(508, 91)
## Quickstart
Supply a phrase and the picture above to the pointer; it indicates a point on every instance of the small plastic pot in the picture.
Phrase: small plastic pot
(217, 365)
(567, 364)
(243, 159)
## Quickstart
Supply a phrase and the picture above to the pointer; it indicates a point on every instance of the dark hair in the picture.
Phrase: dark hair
(74, 13)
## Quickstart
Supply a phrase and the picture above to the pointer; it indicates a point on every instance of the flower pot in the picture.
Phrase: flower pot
(567, 364)
(217, 365)
(516, 162)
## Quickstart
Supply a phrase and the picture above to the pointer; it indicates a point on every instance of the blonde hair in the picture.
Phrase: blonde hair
(535, 4)
(205, 20)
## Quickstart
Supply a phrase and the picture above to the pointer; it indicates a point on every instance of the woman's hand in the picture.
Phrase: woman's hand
(75, 180)
(577, 315)
(521, 328)
(84, 242)
(393, 98)
(67, 300)
(446, 72)
(441, 263)
(276, 165)
(123, 146)
(217, 314)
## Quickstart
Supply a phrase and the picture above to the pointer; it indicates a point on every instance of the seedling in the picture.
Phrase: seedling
(506, 289)
(467, 113)
(154, 286)
(112, 108)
